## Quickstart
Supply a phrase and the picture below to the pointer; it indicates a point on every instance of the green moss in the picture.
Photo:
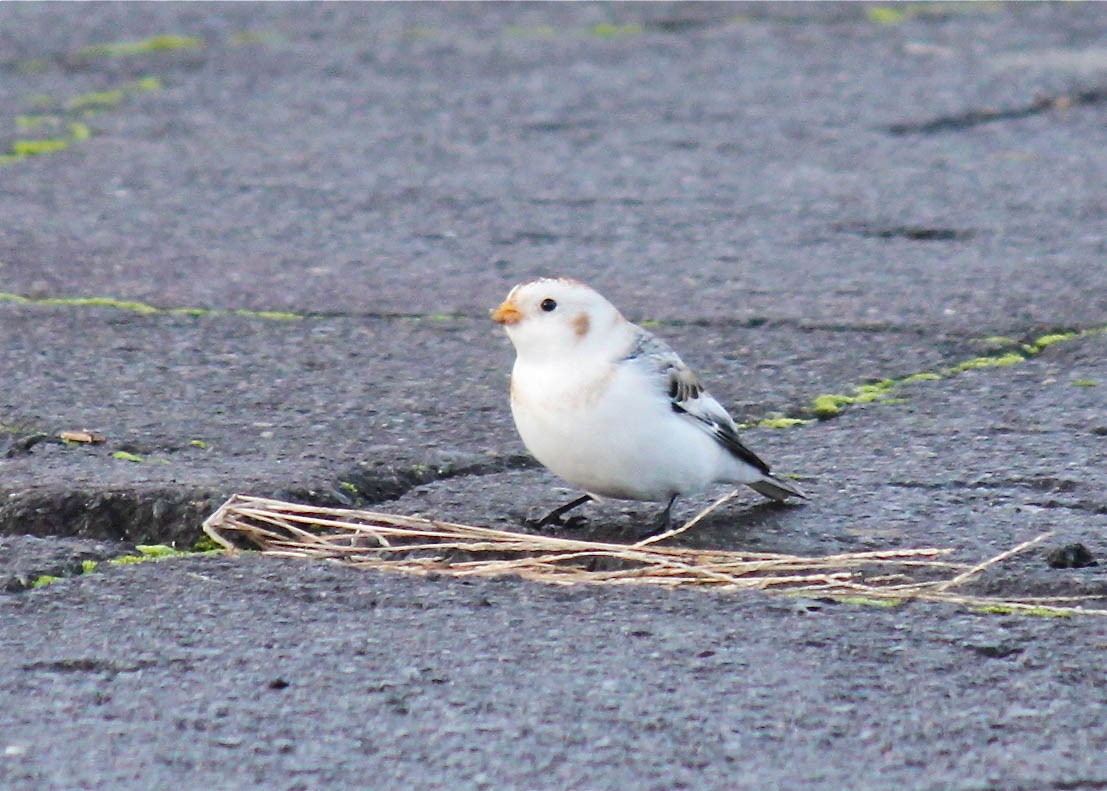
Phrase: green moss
(164, 43)
(147, 552)
(606, 30)
(43, 581)
(197, 443)
(884, 15)
(98, 100)
(88, 566)
(900, 12)
(866, 394)
(155, 552)
(85, 104)
(126, 560)
(272, 315)
(348, 487)
(998, 340)
(996, 361)
(781, 422)
(868, 601)
(828, 404)
(247, 37)
(123, 455)
(420, 33)
(925, 376)
(205, 545)
(109, 99)
(21, 149)
(35, 120)
(79, 131)
(159, 551)
(103, 302)
(142, 307)
(1084, 382)
(1049, 340)
(1039, 611)
(530, 31)
(30, 148)
(147, 84)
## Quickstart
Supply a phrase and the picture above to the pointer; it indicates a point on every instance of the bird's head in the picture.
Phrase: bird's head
(559, 317)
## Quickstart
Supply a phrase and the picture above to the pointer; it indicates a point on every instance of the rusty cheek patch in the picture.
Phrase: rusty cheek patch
(581, 324)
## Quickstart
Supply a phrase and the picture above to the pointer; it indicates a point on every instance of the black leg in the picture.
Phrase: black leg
(554, 516)
(664, 521)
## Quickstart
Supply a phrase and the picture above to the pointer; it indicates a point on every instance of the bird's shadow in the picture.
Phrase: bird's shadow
(735, 528)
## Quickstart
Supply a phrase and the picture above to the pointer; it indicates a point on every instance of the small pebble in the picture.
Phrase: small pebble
(1070, 556)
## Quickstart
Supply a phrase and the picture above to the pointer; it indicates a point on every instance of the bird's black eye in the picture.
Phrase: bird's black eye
(548, 304)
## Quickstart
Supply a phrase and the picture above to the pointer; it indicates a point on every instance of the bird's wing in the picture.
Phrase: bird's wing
(687, 396)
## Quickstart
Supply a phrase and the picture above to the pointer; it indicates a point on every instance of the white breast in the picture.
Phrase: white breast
(611, 432)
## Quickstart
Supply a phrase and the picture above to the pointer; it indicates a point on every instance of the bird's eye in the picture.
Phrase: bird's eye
(548, 304)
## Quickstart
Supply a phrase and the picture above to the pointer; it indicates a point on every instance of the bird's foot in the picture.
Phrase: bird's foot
(554, 517)
(558, 523)
(663, 523)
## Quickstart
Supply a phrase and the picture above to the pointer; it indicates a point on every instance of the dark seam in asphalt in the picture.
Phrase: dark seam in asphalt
(971, 118)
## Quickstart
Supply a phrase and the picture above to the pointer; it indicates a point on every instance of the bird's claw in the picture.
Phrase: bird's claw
(556, 522)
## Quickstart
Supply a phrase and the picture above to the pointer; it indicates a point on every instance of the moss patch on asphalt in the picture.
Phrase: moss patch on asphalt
(63, 124)
(44, 580)
(1038, 612)
(144, 553)
(148, 552)
(146, 308)
(828, 405)
(121, 49)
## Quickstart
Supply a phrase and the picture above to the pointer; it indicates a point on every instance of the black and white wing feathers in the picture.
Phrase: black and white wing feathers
(688, 398)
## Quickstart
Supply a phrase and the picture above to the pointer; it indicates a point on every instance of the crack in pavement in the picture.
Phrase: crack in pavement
(1082, 506)
(146, 308)
(916, 233)
(362, 487)
(971, 118)
(1037, 483)
(829, 405)
(153, 514)
(135, 306)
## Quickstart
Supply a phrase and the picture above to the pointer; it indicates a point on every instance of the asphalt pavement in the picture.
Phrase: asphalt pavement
(252, 248)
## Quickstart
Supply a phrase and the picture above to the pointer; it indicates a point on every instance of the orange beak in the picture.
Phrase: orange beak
(506, 313)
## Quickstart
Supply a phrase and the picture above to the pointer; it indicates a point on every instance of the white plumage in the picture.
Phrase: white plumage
(612, 409)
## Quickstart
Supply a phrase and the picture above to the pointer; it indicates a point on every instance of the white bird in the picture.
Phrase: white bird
(610, 408)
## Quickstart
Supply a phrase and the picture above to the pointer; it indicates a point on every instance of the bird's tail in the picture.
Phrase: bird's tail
(776, 489)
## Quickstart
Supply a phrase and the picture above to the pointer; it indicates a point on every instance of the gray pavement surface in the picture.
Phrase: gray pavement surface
(801, 198)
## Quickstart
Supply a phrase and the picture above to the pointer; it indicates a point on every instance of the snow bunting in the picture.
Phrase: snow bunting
(610, 408)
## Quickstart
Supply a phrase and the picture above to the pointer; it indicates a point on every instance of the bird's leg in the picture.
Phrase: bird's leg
(664, 522)
(554, 516)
